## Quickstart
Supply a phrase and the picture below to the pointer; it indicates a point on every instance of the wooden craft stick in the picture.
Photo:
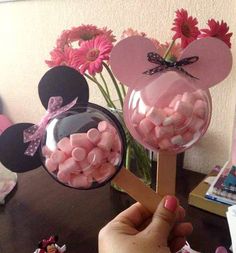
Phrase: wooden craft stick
(166, 174)
(137, 189)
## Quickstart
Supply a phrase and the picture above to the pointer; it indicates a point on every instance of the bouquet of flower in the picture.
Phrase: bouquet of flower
(87, 49)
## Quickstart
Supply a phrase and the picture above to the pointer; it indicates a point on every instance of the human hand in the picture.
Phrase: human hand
(135, 230)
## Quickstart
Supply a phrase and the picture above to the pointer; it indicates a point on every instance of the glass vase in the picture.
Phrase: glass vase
(137, 158)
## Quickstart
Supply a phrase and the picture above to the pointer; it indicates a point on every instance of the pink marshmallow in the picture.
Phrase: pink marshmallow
(188, 98)
(50, 165)
(104, 126)
(114, 158)
(81, 140)
(63, 176)
(184, 108)
(137, 117)
(58, 156)
(200, 108)
(80, 181)
(199, 94)
(65, 146)
(104, 172)
(165, 144)
(106, 141)
(177, 140)
(196, 124)
(175, 119)
(116, 146)
(145, 126)
(95, 156)
(94, 135)
(151, 139)
(46, 151)
(78, 154)
(156, 116)
(69, 166)
(175, 100)
(168, 111)
(161, 132)
(86, 167)
(187, 137)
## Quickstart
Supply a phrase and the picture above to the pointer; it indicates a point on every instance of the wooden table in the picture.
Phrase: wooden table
(40, 207)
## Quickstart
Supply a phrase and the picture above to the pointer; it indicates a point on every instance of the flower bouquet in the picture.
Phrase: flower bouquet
(87, 49)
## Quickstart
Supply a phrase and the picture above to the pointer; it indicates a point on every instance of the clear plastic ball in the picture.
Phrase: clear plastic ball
(83, 148)
(171, 117)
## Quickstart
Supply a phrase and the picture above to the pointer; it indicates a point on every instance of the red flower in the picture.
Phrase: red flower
(217, 30)
(185, 28)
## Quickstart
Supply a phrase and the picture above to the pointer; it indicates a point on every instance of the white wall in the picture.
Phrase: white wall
(28, 30)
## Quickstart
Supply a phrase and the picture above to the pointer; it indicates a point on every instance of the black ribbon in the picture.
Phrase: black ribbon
(166, 65)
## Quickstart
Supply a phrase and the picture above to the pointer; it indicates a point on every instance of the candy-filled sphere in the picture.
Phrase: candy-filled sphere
(171, 117)
(83, 148)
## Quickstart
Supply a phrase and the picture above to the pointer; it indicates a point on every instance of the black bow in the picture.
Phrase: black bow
(166, 65)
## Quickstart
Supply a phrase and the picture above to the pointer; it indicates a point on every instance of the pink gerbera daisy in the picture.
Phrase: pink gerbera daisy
(185, 28)
(174, 53)
(63, 40)
(92, 53)
(131, 32)
(83, 33)
(87, 32)
(57, 58)
(66, 57)
(108, 34)
(217, 30)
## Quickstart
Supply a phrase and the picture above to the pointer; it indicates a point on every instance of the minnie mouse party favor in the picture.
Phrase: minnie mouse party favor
(168, 105)
(80, 144)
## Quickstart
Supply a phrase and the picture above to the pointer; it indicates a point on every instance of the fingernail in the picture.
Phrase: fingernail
(170, 203)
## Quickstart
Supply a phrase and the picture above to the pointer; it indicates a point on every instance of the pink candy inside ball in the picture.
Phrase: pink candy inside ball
(83, 159)
(172, 126)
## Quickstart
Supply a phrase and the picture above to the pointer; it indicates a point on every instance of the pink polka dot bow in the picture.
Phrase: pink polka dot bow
(35, 133)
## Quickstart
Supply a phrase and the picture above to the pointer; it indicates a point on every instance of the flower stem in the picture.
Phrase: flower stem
(106, 97)
(115, 83)
(168, 49)
(128, 158)
(123, 89)
(105, 84)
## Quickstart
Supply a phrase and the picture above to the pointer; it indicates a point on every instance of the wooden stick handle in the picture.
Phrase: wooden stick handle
(137, 189)
(166, 174)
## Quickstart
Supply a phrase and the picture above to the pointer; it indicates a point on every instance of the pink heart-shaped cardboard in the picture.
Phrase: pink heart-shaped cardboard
(129, 60)
(214, 64)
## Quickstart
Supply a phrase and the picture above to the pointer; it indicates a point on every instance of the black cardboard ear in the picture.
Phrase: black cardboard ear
(12, 150)
(65, 82)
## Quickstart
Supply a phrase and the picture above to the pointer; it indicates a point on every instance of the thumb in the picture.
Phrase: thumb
(163, 219)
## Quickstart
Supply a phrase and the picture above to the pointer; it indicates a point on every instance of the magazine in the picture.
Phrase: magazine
(223, 188)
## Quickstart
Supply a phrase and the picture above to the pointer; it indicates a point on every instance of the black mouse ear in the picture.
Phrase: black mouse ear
(65, 82)
(12, 149)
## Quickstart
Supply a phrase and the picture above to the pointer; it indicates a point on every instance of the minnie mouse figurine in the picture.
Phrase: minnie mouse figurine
(49, 246)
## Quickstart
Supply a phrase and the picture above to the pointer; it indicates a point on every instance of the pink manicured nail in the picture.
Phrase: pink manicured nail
(170, 203)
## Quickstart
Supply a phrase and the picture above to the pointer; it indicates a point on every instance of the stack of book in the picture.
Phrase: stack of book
(218, 193)
(223, 188)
